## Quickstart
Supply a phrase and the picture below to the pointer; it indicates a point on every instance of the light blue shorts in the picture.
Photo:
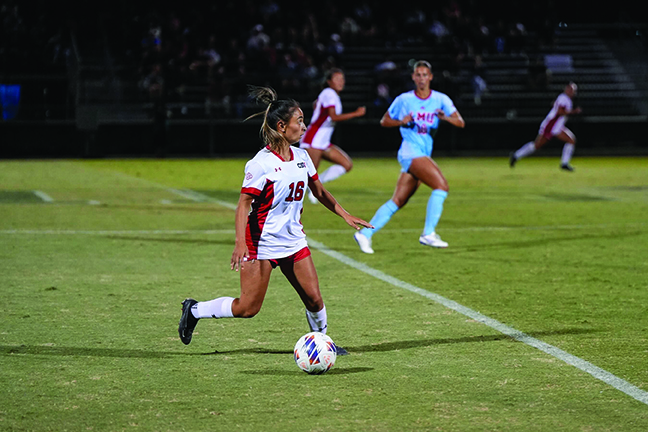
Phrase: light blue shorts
(406, 160)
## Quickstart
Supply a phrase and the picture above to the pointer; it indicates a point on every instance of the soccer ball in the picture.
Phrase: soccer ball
(315, 353)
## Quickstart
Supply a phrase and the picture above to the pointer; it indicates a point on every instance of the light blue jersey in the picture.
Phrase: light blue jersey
(417, 140)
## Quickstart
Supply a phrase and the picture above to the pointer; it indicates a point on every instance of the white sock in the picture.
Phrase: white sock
(317, 320)
(218, 308)
(568, 151)
(525, 150)
(333, 172)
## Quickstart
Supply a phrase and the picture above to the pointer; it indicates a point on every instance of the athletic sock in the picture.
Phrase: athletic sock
(380, 219)
(525, 150)
(317, 320)
(218, 308)
(568, 151)
(434, 210)
(333, 172)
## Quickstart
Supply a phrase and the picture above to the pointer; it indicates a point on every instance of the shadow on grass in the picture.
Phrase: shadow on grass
(7, 350)
(539, 242)
(334, 371)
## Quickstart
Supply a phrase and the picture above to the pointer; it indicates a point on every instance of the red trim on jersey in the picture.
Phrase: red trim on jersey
(419, 98)
(314, 126)
(315, 177)
(292, 259)
(251, 191)
(257, 217)
(279, 156)
(549, 127)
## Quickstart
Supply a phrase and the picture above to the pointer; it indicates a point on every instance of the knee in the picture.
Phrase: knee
(348, 165)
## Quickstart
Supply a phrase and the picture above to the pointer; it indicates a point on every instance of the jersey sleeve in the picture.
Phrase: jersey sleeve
(563, 101)
(254, 180)
(396, 108)
(327, 98)
(447, 105)
(310, 166)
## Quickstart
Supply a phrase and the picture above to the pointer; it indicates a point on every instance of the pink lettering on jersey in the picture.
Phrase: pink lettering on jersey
(425, 116)
(248, 176)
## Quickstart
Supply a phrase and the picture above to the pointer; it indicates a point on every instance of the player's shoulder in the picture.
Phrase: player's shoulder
(328, 92)
(440, 96)
(261, 157)
(300, 153)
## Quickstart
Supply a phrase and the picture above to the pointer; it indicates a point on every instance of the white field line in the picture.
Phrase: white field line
(42, 195)
(585, 366)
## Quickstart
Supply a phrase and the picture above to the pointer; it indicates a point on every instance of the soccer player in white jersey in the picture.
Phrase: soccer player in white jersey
(553, 126)
(417, 113)
(327, 111)
(269, 233)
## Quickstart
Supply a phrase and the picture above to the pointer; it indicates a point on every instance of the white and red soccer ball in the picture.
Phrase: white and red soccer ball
(315, 353)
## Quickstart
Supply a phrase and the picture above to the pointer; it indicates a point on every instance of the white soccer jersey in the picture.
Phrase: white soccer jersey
(274, 228)
(553, 123)
(320, 129)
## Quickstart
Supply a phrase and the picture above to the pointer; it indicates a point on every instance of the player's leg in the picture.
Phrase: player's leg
(405, 187)
(569, 139)
(342, 163)
(425, 169)
(255, 276)
(527, 149)
(300, 272)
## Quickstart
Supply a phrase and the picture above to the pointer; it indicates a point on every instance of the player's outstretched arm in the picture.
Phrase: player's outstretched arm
(241, 253)
(359, 112)
(331, 203)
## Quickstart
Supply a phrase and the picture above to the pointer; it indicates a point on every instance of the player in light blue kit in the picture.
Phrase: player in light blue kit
(417, 113)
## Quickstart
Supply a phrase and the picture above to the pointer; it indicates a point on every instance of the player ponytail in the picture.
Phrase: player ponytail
(276, 110)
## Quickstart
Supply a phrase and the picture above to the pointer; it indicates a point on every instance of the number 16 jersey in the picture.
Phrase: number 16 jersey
(274, 228)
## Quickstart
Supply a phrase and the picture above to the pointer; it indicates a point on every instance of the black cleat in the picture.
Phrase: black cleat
(512, 159)
(567, 167)
(187, 321)
(341, 351)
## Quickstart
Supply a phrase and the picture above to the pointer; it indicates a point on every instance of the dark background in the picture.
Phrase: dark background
(169, 79)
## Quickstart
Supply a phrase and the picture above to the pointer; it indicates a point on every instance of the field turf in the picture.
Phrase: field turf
(96, 256)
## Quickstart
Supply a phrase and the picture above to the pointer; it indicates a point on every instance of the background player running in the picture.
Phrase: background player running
(418, 114)
(553, 126)
(271, 234)
(327, 110)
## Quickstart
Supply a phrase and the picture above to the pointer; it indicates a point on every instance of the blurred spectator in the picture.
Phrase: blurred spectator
(153, 83)
(539, 75)
(477, 80)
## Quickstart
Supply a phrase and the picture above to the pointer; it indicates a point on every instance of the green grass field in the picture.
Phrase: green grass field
(95, 263)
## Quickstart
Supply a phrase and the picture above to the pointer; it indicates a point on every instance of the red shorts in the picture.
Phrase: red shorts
(292, 259)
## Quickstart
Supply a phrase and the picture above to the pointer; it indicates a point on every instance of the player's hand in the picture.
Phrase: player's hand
(576, 110)
(360, 111)
(239, 256)
(408, 121)
(441, 114)
(356, 222)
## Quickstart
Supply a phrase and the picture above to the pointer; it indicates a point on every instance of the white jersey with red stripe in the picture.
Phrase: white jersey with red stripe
(319, 132)
(274, 228)
(554, 123)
